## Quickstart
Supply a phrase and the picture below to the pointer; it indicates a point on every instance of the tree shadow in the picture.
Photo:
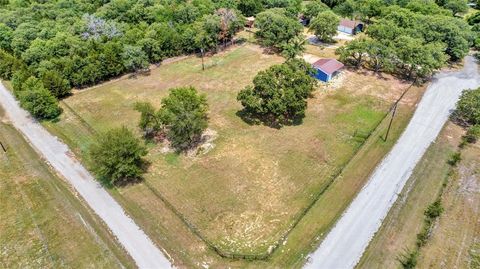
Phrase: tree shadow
(269, 121)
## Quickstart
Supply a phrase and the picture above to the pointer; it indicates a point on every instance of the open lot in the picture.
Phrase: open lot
(454, 239)
(247, 193)
(43, 225)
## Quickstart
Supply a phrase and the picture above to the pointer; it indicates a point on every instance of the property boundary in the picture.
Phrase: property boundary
(296, 221)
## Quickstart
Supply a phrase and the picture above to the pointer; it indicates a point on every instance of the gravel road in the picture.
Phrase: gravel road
(344, 245)
(134, 240)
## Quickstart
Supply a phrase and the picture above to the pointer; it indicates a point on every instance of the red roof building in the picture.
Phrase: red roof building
(327, 68)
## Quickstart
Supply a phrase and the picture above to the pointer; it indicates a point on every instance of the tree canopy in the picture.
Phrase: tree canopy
(276, 29)
(468, 107)
(117, 157)
(278, 95)
(182, 118)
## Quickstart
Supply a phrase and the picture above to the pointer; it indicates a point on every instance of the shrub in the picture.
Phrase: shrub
(472, 135)
(409, 260)
(455, 158)
(116, 157)
(468, 107)
(434, 210)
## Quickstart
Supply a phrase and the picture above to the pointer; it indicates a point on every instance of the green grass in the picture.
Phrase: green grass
(245, 194)
(42, 224)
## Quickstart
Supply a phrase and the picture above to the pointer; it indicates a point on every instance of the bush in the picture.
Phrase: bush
(468, 107)
(472, 135)
(409, 260)
(116, 157)
(455, 158)
(434, 210)
(279, 93)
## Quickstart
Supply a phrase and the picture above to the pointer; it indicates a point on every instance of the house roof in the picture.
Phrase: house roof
(329, 66)
(349, 23)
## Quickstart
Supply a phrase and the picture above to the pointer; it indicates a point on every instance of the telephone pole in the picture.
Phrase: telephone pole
(3, 147)
(394, 109)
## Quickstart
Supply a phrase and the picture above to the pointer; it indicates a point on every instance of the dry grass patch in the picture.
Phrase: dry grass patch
(42, 224)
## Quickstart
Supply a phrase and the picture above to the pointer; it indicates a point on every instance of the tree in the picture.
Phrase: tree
(279, 94)
(294, 47)
(250, 7)
(230, 23)
(313, 8)
(134, 58)
(56, 84)
(6, 35)
(324, 25)
(184, 113)
(468, 107)
(117, 156)
(207, 32)
(419, 59)
(457, 6)
(37, 100)
(353, 52)
(276, 29)
(150, 122)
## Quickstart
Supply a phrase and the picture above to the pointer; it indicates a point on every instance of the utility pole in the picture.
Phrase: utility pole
(394, 109)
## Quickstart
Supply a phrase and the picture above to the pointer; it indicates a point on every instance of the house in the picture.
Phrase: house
(327, 69)
(350, 27)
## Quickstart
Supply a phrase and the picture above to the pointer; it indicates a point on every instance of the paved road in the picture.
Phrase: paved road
(133, 239)
(346, 242)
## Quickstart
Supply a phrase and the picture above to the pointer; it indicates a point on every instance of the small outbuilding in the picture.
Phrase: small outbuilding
(250, 22)
(326, 69)
(350, 27)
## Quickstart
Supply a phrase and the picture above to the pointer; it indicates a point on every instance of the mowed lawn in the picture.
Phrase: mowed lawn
(247, 192)
(42, 224)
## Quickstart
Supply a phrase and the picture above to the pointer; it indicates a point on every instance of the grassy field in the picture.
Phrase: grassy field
(247, 193)
(453, 240)
(42, 224)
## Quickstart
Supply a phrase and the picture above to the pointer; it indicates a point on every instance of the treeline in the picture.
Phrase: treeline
(79, 43)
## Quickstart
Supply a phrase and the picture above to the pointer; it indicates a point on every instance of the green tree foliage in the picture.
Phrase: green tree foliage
(473, 134)
(279, 94)
(37, 100)
(182, 117)
(324, 25)
(56, 84)
(312, 9)
(8, 65)
(116, 157)
(250, 7)
(184, 113)
(150, 122)
(276, 29)
(134, 58)
(410, 41)
(294, 47)
(6, 35)
(468, 107)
